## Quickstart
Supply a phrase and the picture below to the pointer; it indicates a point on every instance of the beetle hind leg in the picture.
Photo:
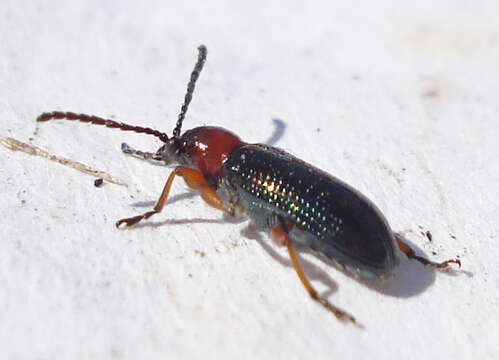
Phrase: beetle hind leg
(411, 254)
(279, 235)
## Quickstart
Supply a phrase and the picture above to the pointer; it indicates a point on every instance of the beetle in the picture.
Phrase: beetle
(296, 203)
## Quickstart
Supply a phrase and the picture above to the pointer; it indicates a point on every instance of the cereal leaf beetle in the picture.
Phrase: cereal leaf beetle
(294, 202)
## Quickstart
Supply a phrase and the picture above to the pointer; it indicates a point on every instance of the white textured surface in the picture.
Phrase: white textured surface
(405, 95)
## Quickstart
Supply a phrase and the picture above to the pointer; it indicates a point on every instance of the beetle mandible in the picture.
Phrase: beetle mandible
(294, 202)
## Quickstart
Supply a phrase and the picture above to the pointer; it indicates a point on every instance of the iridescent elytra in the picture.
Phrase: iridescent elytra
(296, 203)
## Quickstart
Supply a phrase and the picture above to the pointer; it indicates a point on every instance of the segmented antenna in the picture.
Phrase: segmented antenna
(138, 129)
(100, 121)
(190, 88)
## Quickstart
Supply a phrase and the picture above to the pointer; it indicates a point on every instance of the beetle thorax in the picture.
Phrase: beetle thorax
(205, 148)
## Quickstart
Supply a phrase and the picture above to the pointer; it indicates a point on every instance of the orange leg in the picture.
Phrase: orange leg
(406, 249)
(280, 237)
(196, 181)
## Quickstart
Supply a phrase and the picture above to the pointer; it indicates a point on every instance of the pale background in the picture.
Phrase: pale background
(398, 98)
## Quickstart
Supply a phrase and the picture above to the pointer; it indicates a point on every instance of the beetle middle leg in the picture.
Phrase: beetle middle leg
(411, 254)
(279, 235)
(196, 181)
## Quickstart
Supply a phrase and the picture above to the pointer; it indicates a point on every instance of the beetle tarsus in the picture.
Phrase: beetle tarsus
(134, 220)
(438, 265)
(340, 314)
(411, 254)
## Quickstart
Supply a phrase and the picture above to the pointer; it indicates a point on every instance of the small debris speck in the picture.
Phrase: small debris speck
(200, 253)
(98, 182)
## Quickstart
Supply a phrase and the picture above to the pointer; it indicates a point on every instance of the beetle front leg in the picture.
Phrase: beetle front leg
(411, 254)
(196, 180)
(280, 236)
(193, 179)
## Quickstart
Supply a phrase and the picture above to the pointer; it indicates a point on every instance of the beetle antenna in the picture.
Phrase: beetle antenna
(190, 88)
(125, 127)
(100, 121)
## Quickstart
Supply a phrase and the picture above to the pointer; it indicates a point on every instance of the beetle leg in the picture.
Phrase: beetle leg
(411, 254)
(280, 237)
(195, 180)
